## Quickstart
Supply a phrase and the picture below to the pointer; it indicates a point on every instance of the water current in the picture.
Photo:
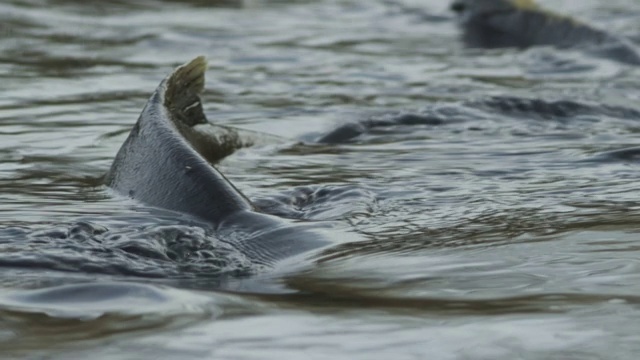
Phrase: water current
(503, 225)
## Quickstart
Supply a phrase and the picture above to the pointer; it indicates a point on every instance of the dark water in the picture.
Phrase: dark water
(504, 227)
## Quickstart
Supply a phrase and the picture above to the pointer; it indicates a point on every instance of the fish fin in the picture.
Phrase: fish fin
(525, 4)
(182, 92)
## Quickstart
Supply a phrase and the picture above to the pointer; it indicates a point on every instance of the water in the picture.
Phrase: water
(489, 233)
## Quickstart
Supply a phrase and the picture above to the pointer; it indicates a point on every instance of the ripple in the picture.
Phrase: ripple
(93, 300)
(154, 251)
(493, 194)
(40, 320)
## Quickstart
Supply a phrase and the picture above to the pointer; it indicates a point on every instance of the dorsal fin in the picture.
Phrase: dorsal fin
(525, 4)
(182, 92)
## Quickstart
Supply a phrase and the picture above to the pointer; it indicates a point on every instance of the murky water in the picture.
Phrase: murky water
(501, 228)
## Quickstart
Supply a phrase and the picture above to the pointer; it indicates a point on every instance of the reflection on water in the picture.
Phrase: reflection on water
(490, 210)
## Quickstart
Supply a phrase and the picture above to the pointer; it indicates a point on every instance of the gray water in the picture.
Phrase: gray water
(492, 232)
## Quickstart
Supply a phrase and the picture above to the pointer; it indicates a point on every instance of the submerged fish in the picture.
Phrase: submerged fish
(522, 24)
(166, 163)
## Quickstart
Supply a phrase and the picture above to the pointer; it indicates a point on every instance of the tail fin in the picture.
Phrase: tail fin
(182, 92)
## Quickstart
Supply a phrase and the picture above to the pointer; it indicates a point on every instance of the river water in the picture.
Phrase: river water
(506, 227)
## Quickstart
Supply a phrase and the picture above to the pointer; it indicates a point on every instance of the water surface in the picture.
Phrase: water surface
(495, 230)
